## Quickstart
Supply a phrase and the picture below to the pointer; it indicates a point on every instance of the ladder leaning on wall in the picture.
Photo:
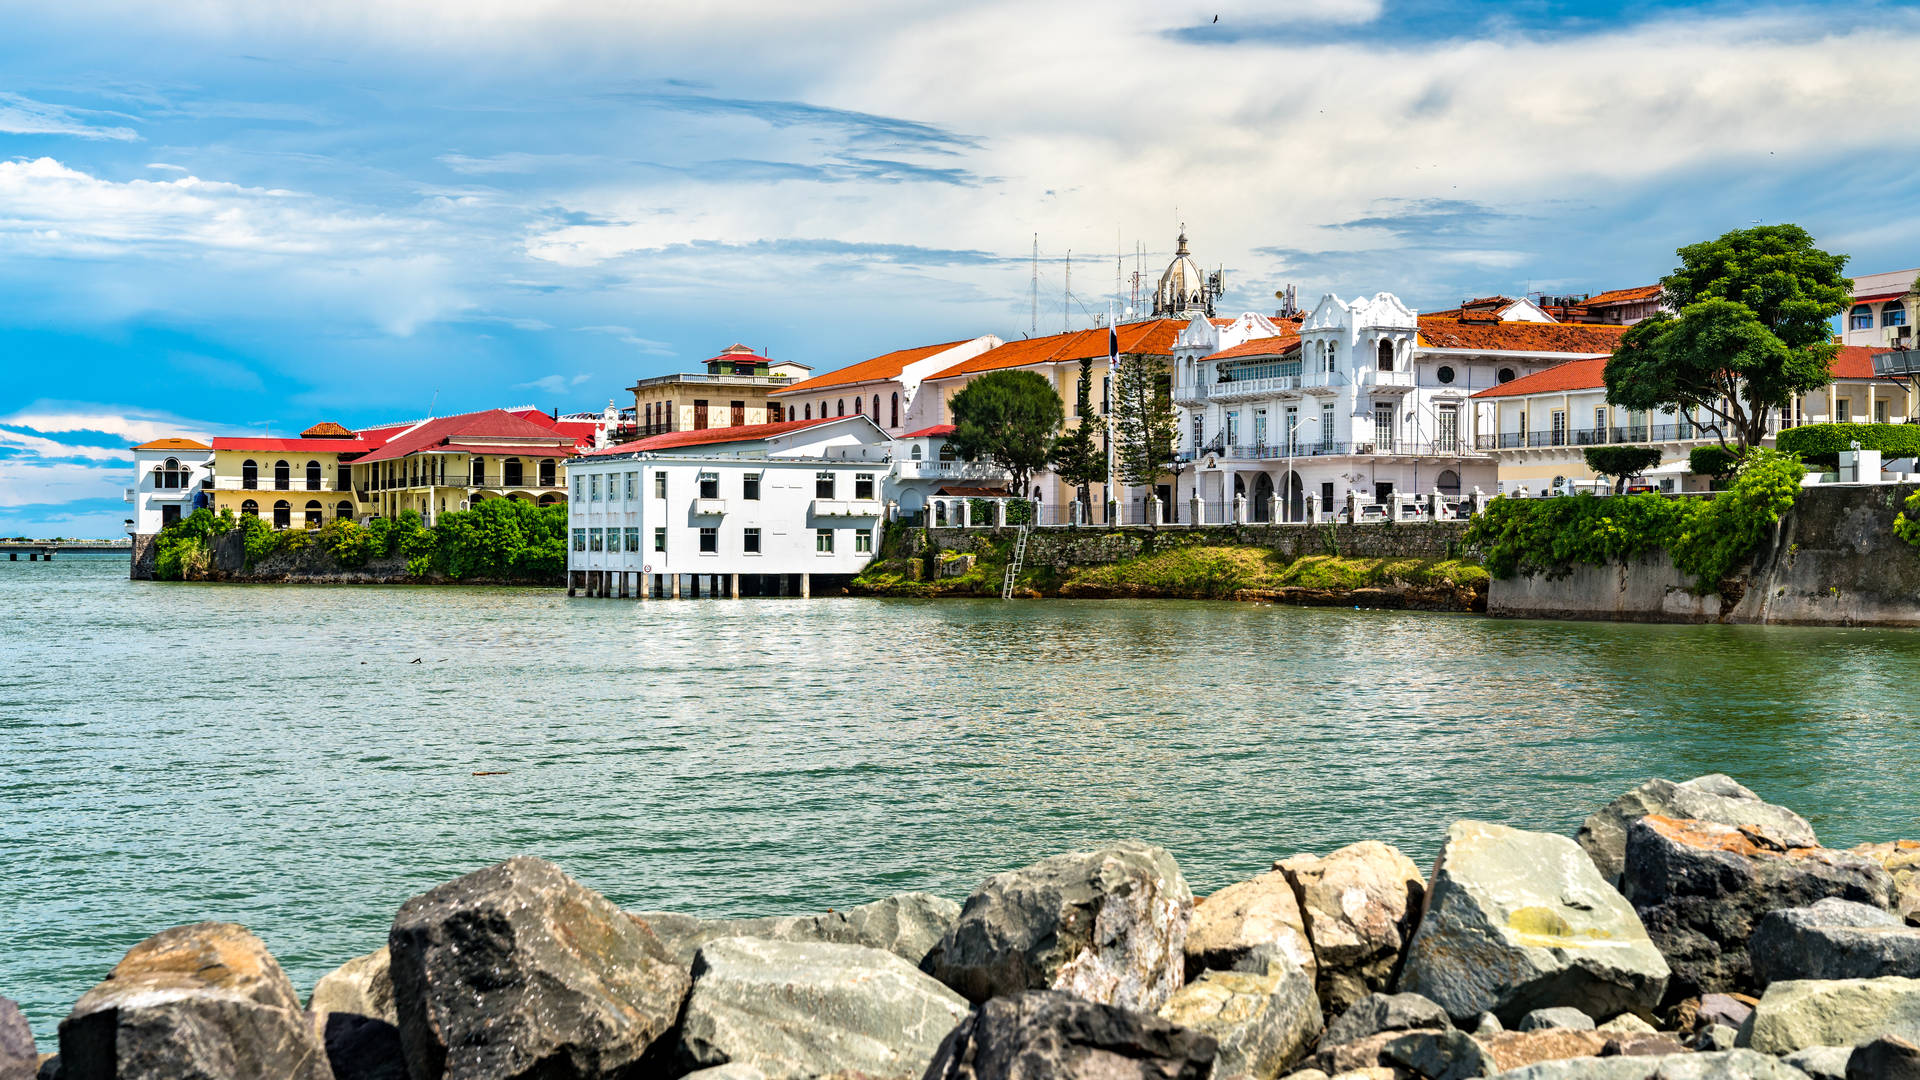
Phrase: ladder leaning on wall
(1013, 564)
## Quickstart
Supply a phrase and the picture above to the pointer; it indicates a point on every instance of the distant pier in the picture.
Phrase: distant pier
(44, 550)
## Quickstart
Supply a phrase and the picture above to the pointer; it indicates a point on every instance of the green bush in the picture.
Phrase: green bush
(184, 550)
(503, 539)
(350, 544)
(1908, 528)
(1820, 444)
(1621, 462)
(1715, 461)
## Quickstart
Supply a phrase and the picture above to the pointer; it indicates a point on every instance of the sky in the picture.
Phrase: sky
(222, 217)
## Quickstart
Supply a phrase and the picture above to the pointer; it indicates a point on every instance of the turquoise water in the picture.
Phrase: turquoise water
(273, 755)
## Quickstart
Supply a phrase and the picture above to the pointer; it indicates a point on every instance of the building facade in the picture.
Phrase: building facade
(451, 463)
(169, 477)
(883, 388)
(297, 483)
(735, 391)
(1883, 311)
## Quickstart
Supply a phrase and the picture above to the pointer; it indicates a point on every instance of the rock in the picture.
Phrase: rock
(1627, 1024)
(1796, 1014)
(1364, 1053)
(1514, 1049)
(1385, 1012)
(1901, 860)
(1641, 1046)
(1261, 1022)
(1360, 905)
(1714, 798)
(49, 1067)
(519, 971)
(1308, 1074)
(363, 986)
(1486, 1024)
(727, 1072)
(1821, 1062)
(1261, 914)
(1518, 920)
(1833, 939)
(806, 1008)
(1715, 1037)
(1699, 887)
(1107, 925)
(1441, 1055)
(1726, 1065)
(1560, 1016)
(19, 1057)
(361, 1047)
(908, 925)
(1722, 1009)
(1885, 1059)
(1046, 1034)
(205, 1001)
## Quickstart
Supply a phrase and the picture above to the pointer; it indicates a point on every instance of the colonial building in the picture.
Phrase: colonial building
(452, 462)
(734, 391)
(883, 388)
(169, 477)
(926, 469)
(758, 509)
(1883, 312)
(292, 483)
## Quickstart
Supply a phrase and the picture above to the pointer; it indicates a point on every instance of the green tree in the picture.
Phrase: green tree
(1007, 417)
(1079, 457)
(1621, 462)
(1144, 425)
(1751, 335)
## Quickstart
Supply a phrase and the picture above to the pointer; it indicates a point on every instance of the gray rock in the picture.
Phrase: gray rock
(1725, 1065)
(1262, 1022)
(908, 925)
(1833, 939)
(1885, 1059)
(362, 985)
(1107, 925)
(1052, 1035)
(1796, 1014)
(1560, 1016)
(795, 1009)
(19, 1057)
(1627, 1024)
(727, 1072)
(1248, 918)
(205, 1001)
(1517, 921)
(1441, 1055)
(1715, 1037)
(1485, 1024)
(518, 971)
(1821, 1062)
(1722, 1009)
(1387, 1012)
(1360, 905)
(1642, 1045)
(361, 1047)
(1699, 887)
(1707, 798)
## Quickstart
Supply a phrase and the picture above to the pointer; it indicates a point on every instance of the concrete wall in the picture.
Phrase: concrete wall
(1096, 546)
(1833, 561)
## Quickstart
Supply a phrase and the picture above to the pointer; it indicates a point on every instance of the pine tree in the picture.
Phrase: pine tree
(1143, 420)
(1079, 458)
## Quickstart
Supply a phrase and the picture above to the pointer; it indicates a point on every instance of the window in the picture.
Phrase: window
(282, 514)
(593, 488)
(633, 539)
(1293, 428)
(250, 509)
(579, 539)
(249, 475)
(1199, 430)
(915, 453)
(1447, 430)
(806, 411)
(1842, 411)
(1383, 428)
(858, 405)
(776, 412)
(1894, 314)
(343, 511)
(479, 472)
(709, 485)
(863, 542)
(1506, 375)
(510, 475)
(750, 487)
(823, 485)
(633, 483)
(738, 414)
(1333, 353)
(1259, 427)
(660, 539)
(893, 411)
(843, 407)
(313, 514)
(1326, 424)
(876, 408)
(596, 539)
(1879, 412)
(750, 541)
(1445, 375)
(1860, 318)
(1559, 424)
(343, 481)
(1233, 428)
(947, 452)
(1600, 423)
(823, 541)
(547, 474)
(709, 541)
(863, 485)
(660, 485)
(282, 476)
(579, 487)
(1386, 355)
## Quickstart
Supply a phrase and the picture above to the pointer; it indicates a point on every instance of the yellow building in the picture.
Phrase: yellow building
(733, 392)
(293, 483)
(450, 463)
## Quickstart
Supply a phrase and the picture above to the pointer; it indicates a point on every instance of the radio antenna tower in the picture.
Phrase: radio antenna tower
(1066, 296)
(1118, 266)
(1034, 318)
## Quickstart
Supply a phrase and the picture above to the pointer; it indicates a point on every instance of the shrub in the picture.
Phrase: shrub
(1620, 462)
(1820, 444)
(350, 545)
(1715, 461)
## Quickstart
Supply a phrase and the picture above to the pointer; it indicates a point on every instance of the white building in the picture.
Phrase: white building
(886, 387)
(1882, 314)
(757, 510)
(168, 474)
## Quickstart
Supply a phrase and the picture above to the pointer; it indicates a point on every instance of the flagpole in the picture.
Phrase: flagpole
(1113, 364)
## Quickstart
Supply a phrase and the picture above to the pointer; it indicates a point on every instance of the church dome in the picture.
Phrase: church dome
(1183, 288)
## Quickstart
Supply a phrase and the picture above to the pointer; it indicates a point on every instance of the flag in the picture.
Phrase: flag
(1113, 341)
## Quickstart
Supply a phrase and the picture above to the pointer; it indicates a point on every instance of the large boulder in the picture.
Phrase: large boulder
(1516, 1049)
(1108, 925)
(353, 1012)
(1885, 1058)
(1833, 939)
(1385, 1012)
(1796, 1014)
(519, 971)
(1052, 1035)
(1261, 915)
(795, 1009)
(1263, 1021)
(1706, 798)
(1722, 1065)
(908, 925)
(1901, 860)
(205, 1001)
(1700, 886)
(19, 1057)
(1517, 921)
(1360, 905)
(362, 985)
(1440, 1055)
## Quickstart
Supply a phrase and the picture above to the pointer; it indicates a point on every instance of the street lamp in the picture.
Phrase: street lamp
(1293, 428)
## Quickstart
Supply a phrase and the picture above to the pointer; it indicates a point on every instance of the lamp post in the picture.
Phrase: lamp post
(1293, 478)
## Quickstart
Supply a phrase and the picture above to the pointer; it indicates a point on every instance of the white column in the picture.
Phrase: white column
(1195, 507)
(1311, 504)
(1276, 508)
(1239, 509)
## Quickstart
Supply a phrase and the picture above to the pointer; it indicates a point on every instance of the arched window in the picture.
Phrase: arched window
(313, 476)
(1326, 348)
(946, 451)
(843, 408)
(249, 475)
(1386, 354)
(893, 413)
(916, 451)
(876, 408)
(857, 406)
(806, 411)
(344, 511)
(282, 476)
(1894, 314)
(314, 511)
(479, 472)
(250, 509)
(510, 472)
(1860, 318)
(282, 514)
(1449, 482)
(547, 467)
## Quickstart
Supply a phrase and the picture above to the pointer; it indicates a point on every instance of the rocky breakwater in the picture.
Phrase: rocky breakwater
(1724, 945)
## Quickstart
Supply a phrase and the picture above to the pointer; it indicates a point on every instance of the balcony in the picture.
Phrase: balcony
(709, 507)
(948, 470)
(1624, 434)
(845, 508)
(1252, 389)
(1401, 381)
(1439, 448)
(1190, 394)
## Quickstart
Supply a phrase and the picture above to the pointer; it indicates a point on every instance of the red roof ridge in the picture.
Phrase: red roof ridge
(934, 432)
(710, 436)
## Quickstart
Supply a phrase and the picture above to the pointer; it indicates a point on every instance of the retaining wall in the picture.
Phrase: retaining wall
(1095, 546)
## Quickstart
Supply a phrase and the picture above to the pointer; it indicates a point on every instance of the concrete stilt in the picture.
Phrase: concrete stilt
(736, 586)
(806, 586)
(676, 586)
(623, 584)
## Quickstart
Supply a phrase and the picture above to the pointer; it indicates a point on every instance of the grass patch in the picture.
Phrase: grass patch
(1221, 572)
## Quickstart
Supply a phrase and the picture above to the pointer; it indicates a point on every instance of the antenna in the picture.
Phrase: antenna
(431, 402)
(1034, 328)
(1066, 295)
(1116, 267)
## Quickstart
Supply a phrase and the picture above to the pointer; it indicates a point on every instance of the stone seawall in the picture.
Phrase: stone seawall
(1095, 546)
(1833, 560)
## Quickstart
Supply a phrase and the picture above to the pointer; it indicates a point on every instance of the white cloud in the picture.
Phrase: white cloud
(627, 335)
(41, 446)
(554, 384)
(133, 424)
(24, 116)
(29, 483)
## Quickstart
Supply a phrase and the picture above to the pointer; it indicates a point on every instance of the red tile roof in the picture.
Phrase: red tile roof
(1287, 340)
(173, 444)
(1560, 378)
(1440, 332)
(492, 427)
(1152, 337)
(713, 436)
(1871, 298)
(1624, 296)
(327, 429)
(1856, 362)
(887, 366)
(294, 446)
(935, 432)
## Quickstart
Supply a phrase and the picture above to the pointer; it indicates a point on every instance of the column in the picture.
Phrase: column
(999, 513)
(736, 586)
(623, 584)
(806, 586)
(1276, 508)
(1433, 505)
(1153, 509)
(966, 513)
(1195, 508)
(573, 578)
(676, 585)
(1311, 504)
(1239, 509)
(1353, 507)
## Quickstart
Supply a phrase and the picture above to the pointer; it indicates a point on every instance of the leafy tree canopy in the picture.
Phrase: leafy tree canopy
(1621, 462)
(1008, 418)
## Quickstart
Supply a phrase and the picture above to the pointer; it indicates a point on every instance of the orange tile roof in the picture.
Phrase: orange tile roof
(1440, 332)
(327, 429)
(1152, 337)
(1558, 379)
(1285, 341)
(173, 444)
(712, 436)
(887, 366)
(1624, 296)
(1856, 362)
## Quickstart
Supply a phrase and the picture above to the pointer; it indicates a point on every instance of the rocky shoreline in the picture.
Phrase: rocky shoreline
(1690, 931)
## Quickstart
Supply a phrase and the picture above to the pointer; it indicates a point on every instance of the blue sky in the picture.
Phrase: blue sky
(219, 217)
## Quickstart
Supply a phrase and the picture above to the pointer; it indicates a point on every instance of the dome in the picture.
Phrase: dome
(1183, 287)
